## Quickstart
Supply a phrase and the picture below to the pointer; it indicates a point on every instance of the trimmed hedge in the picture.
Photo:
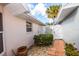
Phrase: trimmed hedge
(43, 39)
(71, 50)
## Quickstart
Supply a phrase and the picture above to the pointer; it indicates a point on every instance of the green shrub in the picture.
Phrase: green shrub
(43, 39)
(71, 50)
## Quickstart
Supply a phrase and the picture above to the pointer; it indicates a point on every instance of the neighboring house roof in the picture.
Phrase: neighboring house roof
(22, 11)
(65, 11)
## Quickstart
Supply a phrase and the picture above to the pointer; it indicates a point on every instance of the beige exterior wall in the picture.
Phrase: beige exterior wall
(15, 34)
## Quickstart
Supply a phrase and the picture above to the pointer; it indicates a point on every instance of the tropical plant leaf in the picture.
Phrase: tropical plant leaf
(52, 11)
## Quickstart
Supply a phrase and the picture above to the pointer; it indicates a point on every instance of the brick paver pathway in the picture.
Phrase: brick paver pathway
(57, 48)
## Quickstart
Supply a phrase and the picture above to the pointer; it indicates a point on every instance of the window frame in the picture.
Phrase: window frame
(28, 26)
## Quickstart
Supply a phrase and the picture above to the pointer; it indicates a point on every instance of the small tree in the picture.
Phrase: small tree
(52, 11)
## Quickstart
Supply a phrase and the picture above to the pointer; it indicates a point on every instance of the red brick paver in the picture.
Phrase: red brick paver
(58, 48)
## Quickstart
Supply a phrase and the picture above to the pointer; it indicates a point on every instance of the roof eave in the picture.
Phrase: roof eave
(35, 20)
(63, 14)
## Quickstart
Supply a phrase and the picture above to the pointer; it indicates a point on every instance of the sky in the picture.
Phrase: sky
(37, 10)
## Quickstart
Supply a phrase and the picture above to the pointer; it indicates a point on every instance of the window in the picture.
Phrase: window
(28, 26)
(1, 43)
(1, 34)
(1, 25)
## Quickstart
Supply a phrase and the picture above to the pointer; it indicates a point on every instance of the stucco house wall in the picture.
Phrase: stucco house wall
(14, 31)
(71, 28)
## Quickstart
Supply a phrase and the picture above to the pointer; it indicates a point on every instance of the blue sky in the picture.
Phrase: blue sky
(38, 10)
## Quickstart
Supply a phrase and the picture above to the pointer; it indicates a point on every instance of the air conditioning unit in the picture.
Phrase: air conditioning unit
(18, 9)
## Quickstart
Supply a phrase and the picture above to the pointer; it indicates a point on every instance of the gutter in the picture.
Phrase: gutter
(35, 20)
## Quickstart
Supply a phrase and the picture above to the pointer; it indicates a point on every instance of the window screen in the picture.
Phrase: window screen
(28, 26)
